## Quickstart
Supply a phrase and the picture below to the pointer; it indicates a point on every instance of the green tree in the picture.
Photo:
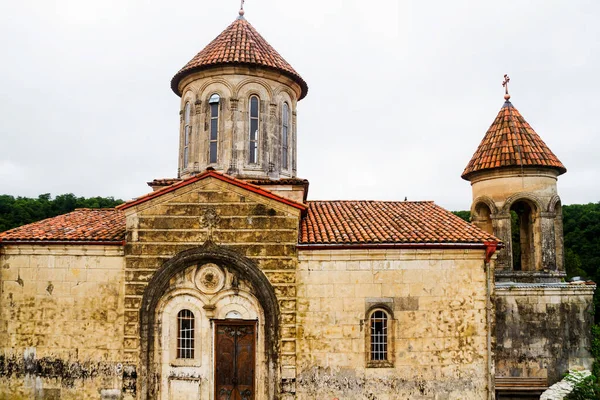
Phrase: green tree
(17, 211)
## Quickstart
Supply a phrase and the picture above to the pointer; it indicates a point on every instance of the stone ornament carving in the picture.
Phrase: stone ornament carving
(210, 279)
(210, 218)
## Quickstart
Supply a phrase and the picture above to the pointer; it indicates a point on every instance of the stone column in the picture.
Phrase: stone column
(235, 136)
(294, 142)
(273, 144)
(548, 241)
(502, 230)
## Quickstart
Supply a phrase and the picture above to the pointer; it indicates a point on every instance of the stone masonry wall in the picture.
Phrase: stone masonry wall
(61, 322)
(256, 227)
(542, 332)
(439, 342)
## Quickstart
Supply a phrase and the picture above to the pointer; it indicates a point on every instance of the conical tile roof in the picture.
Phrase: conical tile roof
(511, 142)
(239, 44)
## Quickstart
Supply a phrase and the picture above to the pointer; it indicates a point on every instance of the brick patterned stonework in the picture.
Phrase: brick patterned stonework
(260, 228)
(438, 300)
(61, 320)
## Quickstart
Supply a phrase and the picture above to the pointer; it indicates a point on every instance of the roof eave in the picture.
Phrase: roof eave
(468, 176)
(183, 73)
(4, 242)
(392, 246)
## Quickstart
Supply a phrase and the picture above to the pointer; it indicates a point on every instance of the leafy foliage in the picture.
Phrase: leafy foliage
(17, 211)
(465, 215)
(581, 227)
(585, 389)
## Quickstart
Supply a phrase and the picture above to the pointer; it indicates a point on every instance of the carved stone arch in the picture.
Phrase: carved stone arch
(159, 285)
(523, 196)
(257, 81)
(188, 95)
(554, 201)
(202, 89)
(289, 92)
(487, 201)
(380, 306)
(171, 293)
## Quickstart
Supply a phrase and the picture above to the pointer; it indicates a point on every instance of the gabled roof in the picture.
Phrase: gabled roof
(96, 226)
(352, 223)
(511, 142)
(239, 44)
(217, 175)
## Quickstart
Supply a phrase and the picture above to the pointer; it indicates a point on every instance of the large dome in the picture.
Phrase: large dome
(239, 44)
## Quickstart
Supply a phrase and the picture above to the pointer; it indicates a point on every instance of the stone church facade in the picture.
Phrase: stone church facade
(226, 283)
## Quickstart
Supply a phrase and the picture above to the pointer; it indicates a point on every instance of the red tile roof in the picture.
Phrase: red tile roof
(346, 223)
(218, 175)
(239, 44)
(385, 222)
(511, 142)
(81, 225)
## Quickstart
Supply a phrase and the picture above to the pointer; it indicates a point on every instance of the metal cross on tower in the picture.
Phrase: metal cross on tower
(505, 85)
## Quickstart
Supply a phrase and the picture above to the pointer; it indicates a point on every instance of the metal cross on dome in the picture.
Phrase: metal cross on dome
(505, 85)
(241, 9)
(242, 5)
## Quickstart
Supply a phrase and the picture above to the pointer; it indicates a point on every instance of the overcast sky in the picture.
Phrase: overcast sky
(400, 92)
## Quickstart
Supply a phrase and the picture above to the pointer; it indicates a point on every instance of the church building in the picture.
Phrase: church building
(227, 283)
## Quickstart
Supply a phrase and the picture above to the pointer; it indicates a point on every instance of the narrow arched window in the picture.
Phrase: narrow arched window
(379, 336)
(214, 127)
(285, 124)
(185, 334)
(254, 126)
(187, 134)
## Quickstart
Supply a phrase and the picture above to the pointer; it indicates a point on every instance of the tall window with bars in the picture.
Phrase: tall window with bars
(379, 340)
(214, 127)
(185, 334)
(187, 133)
(285, 124)
(379, 336)
(254, 126)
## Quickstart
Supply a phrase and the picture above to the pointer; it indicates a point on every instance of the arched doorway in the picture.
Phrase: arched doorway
(209, 329)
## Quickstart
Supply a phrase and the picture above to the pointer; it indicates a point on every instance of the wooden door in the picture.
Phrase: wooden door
(235, 360)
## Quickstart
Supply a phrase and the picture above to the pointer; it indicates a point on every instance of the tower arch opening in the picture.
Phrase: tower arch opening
(523, 235)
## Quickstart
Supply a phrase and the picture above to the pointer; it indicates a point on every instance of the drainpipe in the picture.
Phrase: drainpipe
(490, 249)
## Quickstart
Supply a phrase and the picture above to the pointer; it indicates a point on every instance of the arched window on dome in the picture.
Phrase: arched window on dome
(214, 128)
(254, 130)
(185, 334)
(187, 133)
(285, 138)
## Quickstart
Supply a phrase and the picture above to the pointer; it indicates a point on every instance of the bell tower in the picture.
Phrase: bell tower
(238, 107)
(513, 176)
